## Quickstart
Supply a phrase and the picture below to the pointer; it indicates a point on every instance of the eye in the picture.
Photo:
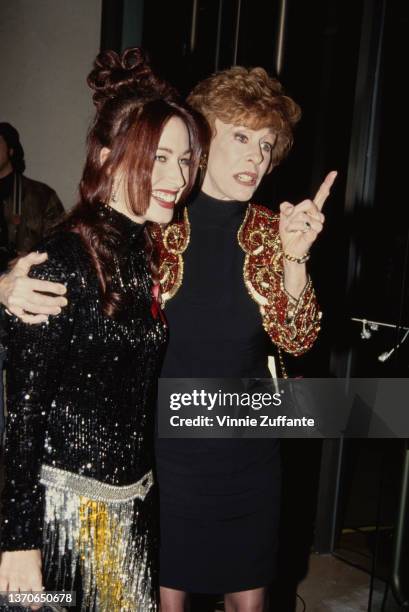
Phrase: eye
(161, 158)
(267, 146)
(241, 137)
(185, 161)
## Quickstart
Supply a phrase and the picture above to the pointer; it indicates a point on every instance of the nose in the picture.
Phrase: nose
(177, 176)
(256, 155)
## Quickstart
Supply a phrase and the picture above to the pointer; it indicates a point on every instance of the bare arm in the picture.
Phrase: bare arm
(25, 297)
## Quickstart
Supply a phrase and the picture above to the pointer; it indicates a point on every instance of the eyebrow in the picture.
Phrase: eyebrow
(170, 150)
(270, 133)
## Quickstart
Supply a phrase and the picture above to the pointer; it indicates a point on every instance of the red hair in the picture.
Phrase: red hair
(248, 97)
(133, 106)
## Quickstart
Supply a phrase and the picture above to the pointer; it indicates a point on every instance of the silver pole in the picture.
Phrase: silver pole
(281, 37)
(236, 36)
(194, 25)
(219, 31)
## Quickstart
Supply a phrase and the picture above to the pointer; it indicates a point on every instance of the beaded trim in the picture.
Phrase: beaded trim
(263, 255)
(93, 489)
(109, 541)
(292, 324)
(171, 242)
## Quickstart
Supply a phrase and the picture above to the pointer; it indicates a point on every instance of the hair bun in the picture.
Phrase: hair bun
(125, 75)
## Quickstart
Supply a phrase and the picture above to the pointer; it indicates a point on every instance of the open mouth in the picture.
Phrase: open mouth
(165, 198)
(246, 178)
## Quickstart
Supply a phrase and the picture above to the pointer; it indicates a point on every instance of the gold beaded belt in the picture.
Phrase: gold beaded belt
(108, 535)
(94, 489)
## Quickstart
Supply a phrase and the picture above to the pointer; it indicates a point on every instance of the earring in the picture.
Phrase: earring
(202, 167)
(203, 162)
(114, 193)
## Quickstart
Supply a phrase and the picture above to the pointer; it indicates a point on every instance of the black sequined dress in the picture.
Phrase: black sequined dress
(79, 444)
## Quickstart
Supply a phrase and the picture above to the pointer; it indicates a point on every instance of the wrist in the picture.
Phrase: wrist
(297, 259)
(295, 278)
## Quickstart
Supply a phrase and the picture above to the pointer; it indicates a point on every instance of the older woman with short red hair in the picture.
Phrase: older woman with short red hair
(238, 282)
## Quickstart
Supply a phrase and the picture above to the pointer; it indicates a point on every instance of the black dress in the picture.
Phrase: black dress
(79, 445)
(219, 499)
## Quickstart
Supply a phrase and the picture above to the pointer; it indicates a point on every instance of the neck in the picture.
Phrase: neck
(122, 208)
(207, 211)
(209, 191)
(6, 170)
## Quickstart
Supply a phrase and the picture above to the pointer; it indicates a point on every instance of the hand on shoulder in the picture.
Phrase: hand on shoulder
(25, 297)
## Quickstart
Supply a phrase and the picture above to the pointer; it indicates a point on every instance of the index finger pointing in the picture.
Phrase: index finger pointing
(324, 190)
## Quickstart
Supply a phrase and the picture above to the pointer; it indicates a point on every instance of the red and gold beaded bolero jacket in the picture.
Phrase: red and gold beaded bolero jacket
(293, 325)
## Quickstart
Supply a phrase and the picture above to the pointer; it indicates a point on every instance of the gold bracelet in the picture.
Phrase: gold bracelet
(299, 260)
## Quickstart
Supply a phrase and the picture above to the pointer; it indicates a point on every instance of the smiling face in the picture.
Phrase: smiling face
(170, 175)
(170, 171)
(239, 157)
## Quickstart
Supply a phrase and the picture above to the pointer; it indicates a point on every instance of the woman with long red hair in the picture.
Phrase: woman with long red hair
(79, 502)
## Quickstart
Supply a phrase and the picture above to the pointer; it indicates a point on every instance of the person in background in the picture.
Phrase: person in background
(28, 209)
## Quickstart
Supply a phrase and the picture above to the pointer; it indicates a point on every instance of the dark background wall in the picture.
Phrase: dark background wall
(342, 61)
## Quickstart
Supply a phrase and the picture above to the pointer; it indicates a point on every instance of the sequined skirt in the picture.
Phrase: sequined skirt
(101, 541)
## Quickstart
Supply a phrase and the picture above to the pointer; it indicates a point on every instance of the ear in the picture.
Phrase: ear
(213, 129)
(104, 154)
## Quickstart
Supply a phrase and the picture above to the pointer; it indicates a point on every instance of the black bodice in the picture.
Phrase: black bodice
(81, 387)
(215, 327)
